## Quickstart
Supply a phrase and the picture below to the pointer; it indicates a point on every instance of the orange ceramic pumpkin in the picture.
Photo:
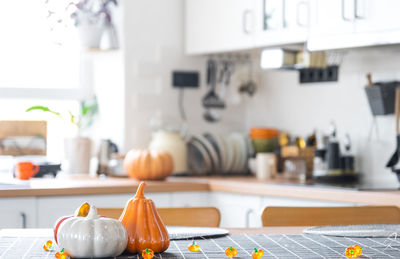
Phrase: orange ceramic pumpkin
(148, 165)
(143, 224)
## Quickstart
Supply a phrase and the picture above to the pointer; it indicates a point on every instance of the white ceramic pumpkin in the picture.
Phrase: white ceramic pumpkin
(92, 236)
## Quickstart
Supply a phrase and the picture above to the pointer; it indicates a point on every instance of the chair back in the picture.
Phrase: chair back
(322, 216)
(194, 217)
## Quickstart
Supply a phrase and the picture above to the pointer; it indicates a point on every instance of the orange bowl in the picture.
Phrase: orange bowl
(262, 133)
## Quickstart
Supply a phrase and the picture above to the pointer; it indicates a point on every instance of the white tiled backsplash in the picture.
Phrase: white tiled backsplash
(282, 102)
(150, 56)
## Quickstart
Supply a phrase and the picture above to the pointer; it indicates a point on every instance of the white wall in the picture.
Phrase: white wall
(153, 48)
(282, 102)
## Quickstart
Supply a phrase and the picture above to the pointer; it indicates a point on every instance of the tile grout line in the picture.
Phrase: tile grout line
(344, 246)
(203, 251)
(178, 249)
(324, 246)
(30, 248)
(216, 244)
(12, 244)
(369, 247)
(281, 246)
(239, 245)
(260, 245)
(383, 244)
(303, 246)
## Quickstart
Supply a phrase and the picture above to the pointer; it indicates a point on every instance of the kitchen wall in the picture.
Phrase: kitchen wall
(154, 46)
(283, 103)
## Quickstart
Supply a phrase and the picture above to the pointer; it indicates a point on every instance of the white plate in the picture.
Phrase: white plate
(204, 154)
(243, 150)
(209, 149)
(223, 151)
(236, 153)
(229, 153)
(214, 143)
(195, 160)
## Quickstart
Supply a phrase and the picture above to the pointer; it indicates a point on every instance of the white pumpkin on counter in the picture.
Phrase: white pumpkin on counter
(92, 236)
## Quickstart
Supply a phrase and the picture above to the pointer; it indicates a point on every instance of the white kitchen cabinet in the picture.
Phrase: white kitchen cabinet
(190, 199)
(17, 212)
(281, 22)
(51, 208)
(237, 210)
(219, 25)
(377, 16)
(339, 24)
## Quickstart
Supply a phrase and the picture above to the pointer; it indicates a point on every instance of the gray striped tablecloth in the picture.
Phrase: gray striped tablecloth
(274, 246)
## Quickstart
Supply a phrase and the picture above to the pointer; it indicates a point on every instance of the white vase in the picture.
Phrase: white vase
(172, 143)
(90, 34)
(77, 155)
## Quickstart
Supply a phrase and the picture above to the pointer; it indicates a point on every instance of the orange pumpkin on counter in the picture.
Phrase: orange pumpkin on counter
(145, 228)
(148, 165)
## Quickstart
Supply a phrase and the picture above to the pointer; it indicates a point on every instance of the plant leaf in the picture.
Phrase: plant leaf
(42, 108)
(72, 118)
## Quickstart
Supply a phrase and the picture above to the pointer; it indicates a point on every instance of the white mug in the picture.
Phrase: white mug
(266, 165)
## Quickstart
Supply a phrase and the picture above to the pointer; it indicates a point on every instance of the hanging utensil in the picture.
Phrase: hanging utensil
(211, 99)
(394, 160)
(248, 87)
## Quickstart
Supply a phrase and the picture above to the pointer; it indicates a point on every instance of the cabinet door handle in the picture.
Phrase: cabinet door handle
(298, 21)
(356, 10)
(248, 213)
(23, 218)
(343, 12)
(284, 20)
(245, 23)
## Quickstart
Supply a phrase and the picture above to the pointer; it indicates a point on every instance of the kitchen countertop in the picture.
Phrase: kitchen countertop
(238, 185)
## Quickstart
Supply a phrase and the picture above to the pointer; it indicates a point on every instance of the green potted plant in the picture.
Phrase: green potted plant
(78, 149)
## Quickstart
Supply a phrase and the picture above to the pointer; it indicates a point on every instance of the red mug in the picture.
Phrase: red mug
(26, 170)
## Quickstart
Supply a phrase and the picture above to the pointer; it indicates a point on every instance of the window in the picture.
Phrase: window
(39, 57)
(40, 64)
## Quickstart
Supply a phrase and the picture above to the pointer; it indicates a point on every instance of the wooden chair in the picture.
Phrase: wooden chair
(322, 216)
(194, 217)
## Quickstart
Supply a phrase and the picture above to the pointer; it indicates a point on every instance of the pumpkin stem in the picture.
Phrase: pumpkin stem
(255, 250)
(92, 213)
(83, 210)
(139, 192)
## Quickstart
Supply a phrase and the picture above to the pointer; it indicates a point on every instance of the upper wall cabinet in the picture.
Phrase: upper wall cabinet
(219, 25)
(339, 24)
(229, 25)
(281, 22)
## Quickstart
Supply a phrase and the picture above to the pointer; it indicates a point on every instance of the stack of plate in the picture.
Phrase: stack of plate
(214, 153)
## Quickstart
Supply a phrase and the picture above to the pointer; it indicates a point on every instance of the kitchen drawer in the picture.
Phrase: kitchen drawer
(190, 199)
(18, 212)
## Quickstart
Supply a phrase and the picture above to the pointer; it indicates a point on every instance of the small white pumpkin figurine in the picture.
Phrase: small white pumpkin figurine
(92, 236)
